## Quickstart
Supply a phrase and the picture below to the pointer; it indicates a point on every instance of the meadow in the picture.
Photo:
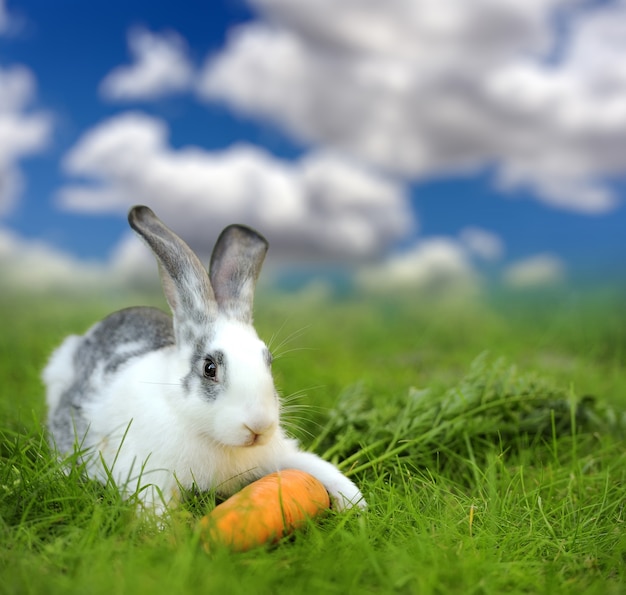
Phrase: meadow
(486, 434)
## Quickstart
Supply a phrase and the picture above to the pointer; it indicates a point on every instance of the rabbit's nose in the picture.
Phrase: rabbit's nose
(260, 431)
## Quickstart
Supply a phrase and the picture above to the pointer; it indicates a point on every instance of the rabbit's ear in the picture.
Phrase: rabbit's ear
(235, 265)
(185, 281)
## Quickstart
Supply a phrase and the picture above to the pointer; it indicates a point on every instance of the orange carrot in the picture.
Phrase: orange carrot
(265, 510)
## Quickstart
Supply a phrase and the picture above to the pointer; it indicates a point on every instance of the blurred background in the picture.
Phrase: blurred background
(396, 145)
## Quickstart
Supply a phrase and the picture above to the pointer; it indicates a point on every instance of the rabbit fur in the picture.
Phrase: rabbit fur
(163, 404)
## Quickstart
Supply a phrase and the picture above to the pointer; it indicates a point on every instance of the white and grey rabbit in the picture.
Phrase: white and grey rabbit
(165, 404)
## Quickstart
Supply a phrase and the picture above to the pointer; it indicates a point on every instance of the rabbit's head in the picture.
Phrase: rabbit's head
(223, 382)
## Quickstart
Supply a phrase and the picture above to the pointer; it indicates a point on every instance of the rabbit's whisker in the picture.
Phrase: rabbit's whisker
(288, 339)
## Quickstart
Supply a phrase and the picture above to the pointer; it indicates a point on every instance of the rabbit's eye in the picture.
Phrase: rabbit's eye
(210, 369)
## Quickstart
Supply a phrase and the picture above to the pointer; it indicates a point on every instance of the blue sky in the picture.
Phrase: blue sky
(408, 141)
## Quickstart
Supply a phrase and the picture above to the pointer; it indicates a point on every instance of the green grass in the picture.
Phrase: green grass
(488, 438)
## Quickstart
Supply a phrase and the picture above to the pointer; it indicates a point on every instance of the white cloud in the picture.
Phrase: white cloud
(131, 262)
(423, 87)
(433, 263)
(161, 66)
(23, 131)
(35, 265)
(450, 266)
(482, 243)
(320, 206)
(536, 271)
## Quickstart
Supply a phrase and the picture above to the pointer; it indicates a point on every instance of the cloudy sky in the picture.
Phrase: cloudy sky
(408, 141)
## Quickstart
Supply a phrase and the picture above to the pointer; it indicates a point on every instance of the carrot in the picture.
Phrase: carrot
(265, 510)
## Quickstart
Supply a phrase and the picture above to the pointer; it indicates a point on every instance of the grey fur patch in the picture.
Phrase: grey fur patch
(195, 379)
(269, 358)
(194, 332)
(110, 344)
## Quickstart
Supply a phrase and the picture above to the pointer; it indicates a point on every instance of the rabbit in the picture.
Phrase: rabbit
(161, 403)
